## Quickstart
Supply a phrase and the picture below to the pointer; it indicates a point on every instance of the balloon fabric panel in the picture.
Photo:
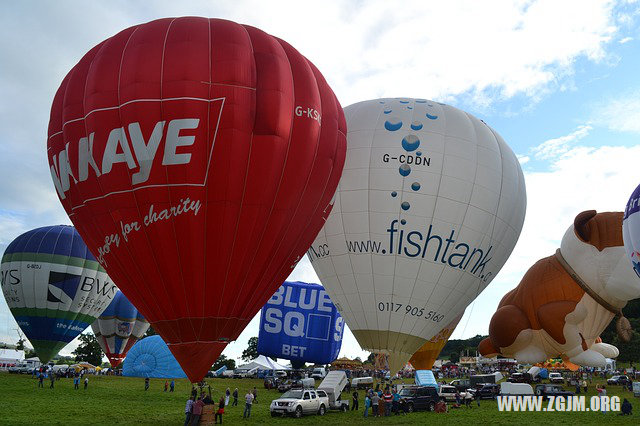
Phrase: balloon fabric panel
(54, 287)
(196, 185)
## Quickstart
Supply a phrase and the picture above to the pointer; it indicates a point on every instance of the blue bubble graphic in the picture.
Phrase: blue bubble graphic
(403, 222)
(421, 101)
(404, 102)
(405, 205)
(393, 124)
(409, 107)
(388, 110)
(410, 143)
(394, 194)
(431, 117)
(416, 125)
(404, 170)
(415, 186)
(418, 153)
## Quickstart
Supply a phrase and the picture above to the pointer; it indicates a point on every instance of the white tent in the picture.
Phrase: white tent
(262, 363)
(10, 356)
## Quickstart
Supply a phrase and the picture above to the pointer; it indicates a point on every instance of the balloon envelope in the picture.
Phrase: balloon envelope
(631, 230)
(198, 159)
(151, 357)
(118, 328)
(428, 353)
(54, 287)
(299, 323)
(429, 208)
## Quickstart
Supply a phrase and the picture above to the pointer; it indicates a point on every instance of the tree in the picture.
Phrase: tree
(20, 345)
(454, 357)
(252, 350)
(371, 359)
(89, 350)
(29, 353)
(223, 360)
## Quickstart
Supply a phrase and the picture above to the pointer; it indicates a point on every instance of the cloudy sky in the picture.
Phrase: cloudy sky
(557, 79)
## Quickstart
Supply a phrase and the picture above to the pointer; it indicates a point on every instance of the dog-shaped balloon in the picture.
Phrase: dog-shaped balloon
(565, 301)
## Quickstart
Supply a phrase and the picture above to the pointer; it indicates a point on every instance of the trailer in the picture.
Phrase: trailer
(333, 384)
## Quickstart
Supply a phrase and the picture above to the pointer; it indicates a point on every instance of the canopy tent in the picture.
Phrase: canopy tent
(263, 363)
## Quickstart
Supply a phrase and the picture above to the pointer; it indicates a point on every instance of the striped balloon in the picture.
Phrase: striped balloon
(54, 287)
(118, 328)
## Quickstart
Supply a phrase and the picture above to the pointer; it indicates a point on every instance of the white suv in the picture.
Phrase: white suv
(297, 402)
(556, 378)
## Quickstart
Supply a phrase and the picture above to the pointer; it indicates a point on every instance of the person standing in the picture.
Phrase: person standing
(227, 394)
(172, 385)
(355, 400)
(187, 411)
(388, 401)
(248, 398)
(220, 411)
(146, 383)
(375, 400)
(52, 377)
(76, 382)
(584, 385)
(367, 404)
(196, 412)
(166, 385)
(235, 397)
(41, 379)
(86, 383)
(255, 395)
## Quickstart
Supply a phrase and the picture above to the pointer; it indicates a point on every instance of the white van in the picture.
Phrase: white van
(362, 382)
(507, 388)
(319, 373)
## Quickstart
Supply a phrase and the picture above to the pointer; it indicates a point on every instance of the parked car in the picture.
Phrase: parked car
(419, 398)
(448, 393)
(556, 378)
(297, 402)
(518, 389)
(551, 390)
(485, 391)
(319, 373)
(618, 380)
(461, 384)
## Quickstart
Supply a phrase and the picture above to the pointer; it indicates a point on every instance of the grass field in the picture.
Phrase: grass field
(123, 401)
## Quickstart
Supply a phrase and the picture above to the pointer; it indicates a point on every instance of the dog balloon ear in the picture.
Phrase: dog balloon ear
(580, 224)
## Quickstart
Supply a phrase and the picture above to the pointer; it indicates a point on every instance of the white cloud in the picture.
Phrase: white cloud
(625, 40)
(620, 113)
(556, 147)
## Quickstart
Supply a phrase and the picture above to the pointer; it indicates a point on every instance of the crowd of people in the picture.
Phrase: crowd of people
(197, 406)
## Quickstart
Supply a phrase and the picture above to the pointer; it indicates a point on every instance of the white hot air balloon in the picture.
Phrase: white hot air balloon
(429, 207)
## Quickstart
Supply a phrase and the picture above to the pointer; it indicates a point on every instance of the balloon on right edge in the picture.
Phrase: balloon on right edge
(631, 230)
(429, 207)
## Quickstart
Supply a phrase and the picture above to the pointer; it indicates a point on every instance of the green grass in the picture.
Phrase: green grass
(123, 401)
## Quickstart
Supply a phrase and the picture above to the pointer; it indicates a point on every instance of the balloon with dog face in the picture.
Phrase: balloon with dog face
(54, 287)
(198, 159)
(429, 208)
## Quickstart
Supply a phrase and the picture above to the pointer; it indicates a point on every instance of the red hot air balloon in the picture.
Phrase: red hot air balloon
(198, 159)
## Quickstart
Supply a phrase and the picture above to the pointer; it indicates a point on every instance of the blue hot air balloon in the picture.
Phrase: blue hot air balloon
(300, 323)
(54, 287)
(118, 328)
(151, 357)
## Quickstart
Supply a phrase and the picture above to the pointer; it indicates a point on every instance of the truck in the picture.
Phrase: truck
(485, 378)
(362, 382)
(333, 384)
(297, 402)
(318, 373)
